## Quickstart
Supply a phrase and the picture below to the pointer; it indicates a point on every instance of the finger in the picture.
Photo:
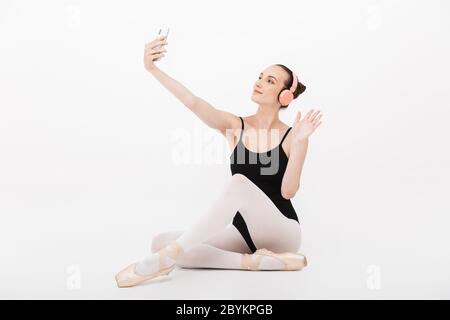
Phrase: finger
(298, 117)
(156, 57)
(315, 114)
(317, 124)
(158, 45)
(157, 42)
(309, 114)
(317, 118)
(159, 38)
(153, 51)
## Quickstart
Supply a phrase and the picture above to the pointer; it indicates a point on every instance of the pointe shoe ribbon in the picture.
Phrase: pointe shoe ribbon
(128, 276)
(172, 250)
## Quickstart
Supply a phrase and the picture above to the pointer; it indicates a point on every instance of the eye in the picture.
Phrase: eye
(270, 81)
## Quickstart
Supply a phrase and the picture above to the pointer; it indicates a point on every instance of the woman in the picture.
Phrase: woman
(265, 231)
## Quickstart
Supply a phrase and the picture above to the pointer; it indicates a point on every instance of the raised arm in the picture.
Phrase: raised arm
(211, 116)
(301, 130)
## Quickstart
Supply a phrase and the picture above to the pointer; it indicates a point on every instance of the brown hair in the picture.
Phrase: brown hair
(287, 84)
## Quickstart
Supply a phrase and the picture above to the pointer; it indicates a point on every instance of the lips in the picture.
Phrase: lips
(257, 91)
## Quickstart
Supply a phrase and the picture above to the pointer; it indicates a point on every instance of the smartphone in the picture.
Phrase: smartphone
(163, 32)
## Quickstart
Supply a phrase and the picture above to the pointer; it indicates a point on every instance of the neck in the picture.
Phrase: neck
(266, 116)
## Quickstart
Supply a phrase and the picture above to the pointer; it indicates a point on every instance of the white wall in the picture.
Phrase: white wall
(87, 174)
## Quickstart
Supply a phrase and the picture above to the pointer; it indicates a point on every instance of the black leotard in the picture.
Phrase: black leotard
(251, 164)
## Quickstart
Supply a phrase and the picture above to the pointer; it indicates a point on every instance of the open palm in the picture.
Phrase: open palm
(303, 128)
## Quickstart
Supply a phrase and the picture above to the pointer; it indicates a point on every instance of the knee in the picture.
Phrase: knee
(236, 185)
(238, 180)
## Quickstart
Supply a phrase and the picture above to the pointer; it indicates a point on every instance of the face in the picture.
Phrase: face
(269, 83)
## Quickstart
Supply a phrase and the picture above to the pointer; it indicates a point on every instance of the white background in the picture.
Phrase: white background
(87, 138)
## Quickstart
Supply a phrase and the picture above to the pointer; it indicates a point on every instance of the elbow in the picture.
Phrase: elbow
(288, 194)
(190, 101)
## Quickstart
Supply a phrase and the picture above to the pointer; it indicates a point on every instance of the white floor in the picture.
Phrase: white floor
(82, 266)
(67, 241)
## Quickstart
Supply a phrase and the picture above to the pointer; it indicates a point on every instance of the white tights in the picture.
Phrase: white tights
(212, 242)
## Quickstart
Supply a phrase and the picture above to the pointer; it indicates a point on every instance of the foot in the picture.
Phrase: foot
(264, 259)
(157, 264)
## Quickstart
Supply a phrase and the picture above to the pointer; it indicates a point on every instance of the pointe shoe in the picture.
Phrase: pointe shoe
(292, 261)
(248, 263)
(128, 277)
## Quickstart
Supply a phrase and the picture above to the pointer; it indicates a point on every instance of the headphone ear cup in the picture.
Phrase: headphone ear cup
(285, 97)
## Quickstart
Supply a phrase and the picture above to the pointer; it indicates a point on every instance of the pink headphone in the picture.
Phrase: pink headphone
(286, 96)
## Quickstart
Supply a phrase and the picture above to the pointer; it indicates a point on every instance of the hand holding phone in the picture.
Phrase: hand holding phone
(163, 32)
(155, 50)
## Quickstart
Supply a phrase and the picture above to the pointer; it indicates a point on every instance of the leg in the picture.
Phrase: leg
(269, 228)
(222, 251)
(229, 239)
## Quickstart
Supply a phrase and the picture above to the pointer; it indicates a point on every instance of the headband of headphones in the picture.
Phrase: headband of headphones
(294, 83)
